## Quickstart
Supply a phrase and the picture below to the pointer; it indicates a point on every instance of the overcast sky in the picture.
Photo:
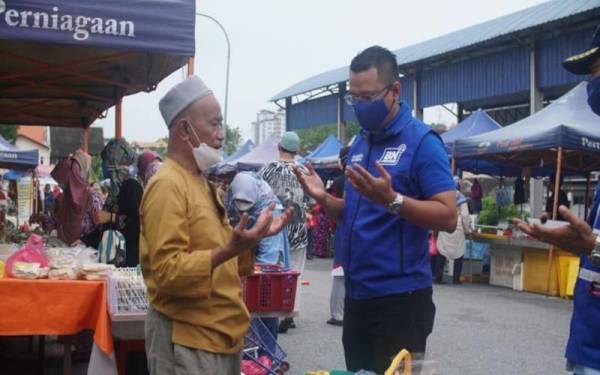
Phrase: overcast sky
(277, 43)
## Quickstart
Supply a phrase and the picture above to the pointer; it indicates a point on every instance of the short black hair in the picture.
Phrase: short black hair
(379, 58)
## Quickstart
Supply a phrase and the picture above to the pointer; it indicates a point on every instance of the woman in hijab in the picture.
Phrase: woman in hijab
(148, 164)
(75, 210)
(250, 194)
(121, 210)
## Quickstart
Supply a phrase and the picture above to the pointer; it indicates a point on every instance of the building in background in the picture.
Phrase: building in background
(35, 138)
(64, 141)
(268, 123)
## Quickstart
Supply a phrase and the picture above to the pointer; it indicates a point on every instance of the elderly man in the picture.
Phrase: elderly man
(191, 258)
(582, 239)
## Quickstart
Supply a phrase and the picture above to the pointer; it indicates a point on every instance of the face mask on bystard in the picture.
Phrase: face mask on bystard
(204, 155)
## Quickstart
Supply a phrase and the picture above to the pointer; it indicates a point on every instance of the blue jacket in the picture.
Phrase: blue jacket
(583, 347)
(383, 254)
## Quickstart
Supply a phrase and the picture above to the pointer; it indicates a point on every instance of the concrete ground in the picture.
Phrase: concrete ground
(478, 330)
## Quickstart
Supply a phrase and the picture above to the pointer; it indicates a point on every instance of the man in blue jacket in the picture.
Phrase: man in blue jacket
(400, 186)
(581, 238)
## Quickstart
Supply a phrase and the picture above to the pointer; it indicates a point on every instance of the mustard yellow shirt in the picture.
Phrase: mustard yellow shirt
(182, 219)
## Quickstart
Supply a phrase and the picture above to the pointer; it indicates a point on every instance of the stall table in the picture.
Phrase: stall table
(521, 264)
(55, 307)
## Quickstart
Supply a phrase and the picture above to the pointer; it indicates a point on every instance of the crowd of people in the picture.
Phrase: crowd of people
(195, 242)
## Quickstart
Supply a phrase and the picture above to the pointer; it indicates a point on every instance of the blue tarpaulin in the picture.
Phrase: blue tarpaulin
(326, 153)
(532, 142)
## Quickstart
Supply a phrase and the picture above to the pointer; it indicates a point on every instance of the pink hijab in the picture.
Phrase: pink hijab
(72, 174)
(145, 160)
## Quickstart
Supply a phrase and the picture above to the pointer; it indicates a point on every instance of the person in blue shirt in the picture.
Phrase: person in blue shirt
(400, 187)
(581, 238)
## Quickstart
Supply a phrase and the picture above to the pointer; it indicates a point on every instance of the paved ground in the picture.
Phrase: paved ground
(478, 330)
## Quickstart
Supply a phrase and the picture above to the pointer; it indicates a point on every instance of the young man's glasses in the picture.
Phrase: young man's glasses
(352, 99)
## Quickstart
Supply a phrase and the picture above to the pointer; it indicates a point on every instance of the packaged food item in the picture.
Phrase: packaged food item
(25, 270)
(31, 252)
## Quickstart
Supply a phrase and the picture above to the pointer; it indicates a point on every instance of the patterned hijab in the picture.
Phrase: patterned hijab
(73, 174)
(117, 156)
(249, 190)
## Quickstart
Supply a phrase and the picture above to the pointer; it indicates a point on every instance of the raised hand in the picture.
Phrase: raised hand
(576, 237)
(311, 182)
(378, 189)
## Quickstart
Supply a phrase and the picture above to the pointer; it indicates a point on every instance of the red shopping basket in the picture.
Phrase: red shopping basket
(271, 290)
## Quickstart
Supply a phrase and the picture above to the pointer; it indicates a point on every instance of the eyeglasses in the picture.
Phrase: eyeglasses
(352, 99)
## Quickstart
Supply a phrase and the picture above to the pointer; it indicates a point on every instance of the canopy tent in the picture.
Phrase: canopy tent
(326, 154)
(41, 171)
(65, 62)
(260, 155)
(565, 134)
(567, 124)
(478, 122)
(13, 158)
(246, 148)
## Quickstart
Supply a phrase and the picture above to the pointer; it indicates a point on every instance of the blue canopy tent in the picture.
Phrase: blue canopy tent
(566, 131)
(564, 135)
(478, 122)
(13, 158)
(326, 154)
(246, 148)
(65, 62)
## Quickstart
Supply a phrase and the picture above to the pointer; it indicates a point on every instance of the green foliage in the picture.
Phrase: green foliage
(311, 138)
(9, 132)
(233, 138)
(491, 214)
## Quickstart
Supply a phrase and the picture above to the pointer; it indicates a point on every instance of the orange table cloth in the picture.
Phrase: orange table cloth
(55, 307)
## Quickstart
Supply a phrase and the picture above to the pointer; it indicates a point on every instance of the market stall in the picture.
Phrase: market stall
(563, 138)
(68, 74)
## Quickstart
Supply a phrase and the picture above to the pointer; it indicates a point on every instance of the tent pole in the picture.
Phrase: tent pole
(453, 166)
(86, 140)
(190, 67)
(119, 119)
(587, 195)
(554, 214)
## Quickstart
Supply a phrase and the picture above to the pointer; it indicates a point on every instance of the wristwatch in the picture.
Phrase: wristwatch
(396, 205)
(594, 256)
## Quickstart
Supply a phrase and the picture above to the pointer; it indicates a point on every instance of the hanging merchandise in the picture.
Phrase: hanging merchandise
(520, 197)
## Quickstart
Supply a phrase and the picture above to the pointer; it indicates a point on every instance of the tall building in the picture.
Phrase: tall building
(268, 123)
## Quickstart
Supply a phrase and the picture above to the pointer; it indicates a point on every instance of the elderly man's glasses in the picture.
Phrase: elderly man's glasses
(352, 99)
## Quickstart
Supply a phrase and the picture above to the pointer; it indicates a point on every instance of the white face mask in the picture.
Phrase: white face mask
(204, 155)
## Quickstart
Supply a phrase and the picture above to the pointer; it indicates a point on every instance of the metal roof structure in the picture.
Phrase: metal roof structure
(510, 26)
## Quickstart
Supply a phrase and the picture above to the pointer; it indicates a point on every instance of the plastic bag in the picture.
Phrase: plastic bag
(31, 252)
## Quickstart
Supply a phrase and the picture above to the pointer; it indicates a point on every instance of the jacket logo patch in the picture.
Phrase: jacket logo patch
(357, 158)
(391, 156)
